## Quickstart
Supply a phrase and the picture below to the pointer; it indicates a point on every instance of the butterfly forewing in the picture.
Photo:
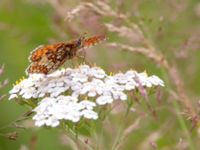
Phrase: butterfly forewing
(93, 40)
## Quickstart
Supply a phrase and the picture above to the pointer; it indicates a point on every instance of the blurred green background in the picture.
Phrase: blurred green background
(173, 26)
(23, 26)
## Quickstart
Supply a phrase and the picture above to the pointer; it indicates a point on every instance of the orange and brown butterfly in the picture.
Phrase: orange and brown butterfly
(48, 58)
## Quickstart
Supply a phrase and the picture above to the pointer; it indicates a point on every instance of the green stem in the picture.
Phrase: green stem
(77, 140)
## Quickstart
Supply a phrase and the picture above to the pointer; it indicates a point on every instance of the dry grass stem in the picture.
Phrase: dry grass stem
(132, 34)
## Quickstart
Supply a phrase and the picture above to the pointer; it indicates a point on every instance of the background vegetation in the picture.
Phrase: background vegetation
(161, 37)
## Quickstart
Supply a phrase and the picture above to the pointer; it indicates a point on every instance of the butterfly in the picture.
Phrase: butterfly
(48, 58)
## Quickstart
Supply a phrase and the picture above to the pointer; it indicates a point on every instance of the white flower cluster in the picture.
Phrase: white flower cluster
(62, 90)
(50, 110)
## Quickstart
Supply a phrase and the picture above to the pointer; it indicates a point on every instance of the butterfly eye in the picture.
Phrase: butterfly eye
(80, 40)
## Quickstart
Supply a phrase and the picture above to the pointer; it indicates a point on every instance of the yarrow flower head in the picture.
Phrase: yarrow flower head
(72, 94)
(51, 110)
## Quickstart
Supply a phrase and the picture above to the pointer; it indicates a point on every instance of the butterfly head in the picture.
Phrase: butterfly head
(80, 41)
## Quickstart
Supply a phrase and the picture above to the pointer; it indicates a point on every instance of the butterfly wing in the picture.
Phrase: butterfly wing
(42, 50)
(36, 67)
(93, 40)
(48, 58)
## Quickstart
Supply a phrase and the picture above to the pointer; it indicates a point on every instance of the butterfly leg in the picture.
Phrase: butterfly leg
(82, 57)
(82, 54)
(85, 61)
(74, 62)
